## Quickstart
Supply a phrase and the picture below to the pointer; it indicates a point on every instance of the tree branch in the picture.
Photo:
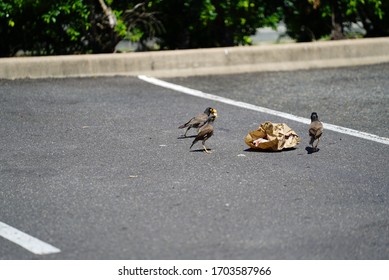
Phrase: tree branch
(112, 21)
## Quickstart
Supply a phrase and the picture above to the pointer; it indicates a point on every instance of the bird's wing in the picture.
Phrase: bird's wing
(184, 125)
(315, 129)
(205, 132)
(202, 118)
(199, 119)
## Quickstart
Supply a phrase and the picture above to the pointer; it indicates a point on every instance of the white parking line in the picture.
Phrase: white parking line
(208, 96)
(26, 241)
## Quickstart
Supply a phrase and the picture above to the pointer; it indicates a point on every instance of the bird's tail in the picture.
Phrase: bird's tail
(184, 125)
(194, 141)
(312, 140)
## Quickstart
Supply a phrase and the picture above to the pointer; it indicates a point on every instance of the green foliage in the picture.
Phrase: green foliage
(42, 27)
(39, 27)
(210, 23)
(321, 17)
(304, 22)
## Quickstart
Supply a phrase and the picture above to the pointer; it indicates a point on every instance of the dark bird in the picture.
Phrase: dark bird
(205, 133)
(199, 120)
(315, 130)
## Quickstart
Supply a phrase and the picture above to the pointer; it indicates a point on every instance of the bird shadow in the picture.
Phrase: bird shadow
(311, 150)
(185, 137)
(251, 150)
(200, 150)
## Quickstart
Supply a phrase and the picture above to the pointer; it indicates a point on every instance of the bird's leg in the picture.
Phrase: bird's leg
(311, 141)
(205, 150)
(317, 143)
(186, 131)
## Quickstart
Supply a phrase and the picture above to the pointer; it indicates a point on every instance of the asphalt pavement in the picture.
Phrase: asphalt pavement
(96, 167)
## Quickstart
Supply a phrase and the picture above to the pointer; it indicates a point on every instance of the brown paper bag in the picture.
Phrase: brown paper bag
(271, 136)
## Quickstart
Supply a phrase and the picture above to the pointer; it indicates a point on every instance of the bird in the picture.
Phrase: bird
(315, 130)
(205, 133)
(199, 120)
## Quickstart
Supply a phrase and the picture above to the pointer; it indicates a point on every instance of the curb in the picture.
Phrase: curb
(213, 61)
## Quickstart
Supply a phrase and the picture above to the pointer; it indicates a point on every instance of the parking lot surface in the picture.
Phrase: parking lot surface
(97, 168)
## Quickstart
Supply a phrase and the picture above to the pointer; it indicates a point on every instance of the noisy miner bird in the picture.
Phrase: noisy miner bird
(199, 120)
(315, 130)
(205, 133)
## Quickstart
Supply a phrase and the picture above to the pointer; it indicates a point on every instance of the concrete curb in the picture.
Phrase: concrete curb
(202, 61)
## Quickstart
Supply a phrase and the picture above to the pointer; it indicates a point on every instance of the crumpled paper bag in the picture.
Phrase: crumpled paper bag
(272, 136)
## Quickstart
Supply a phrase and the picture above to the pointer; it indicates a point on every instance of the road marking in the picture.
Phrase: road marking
(26, 241)
(198, 93)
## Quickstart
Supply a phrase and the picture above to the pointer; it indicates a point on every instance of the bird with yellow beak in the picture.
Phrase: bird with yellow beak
(199, 121)
(205, 133)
